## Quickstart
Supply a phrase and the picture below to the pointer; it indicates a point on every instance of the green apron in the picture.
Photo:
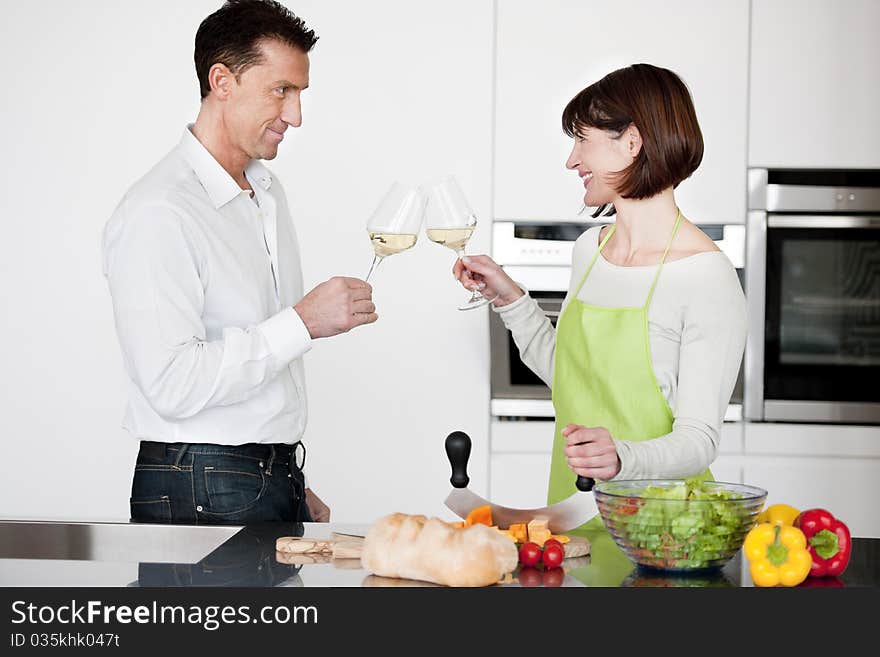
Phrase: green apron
(603, 377)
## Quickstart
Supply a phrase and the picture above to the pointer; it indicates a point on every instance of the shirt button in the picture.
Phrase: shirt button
(199, 508)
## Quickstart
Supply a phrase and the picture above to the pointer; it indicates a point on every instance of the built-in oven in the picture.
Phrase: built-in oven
(538, 256)
(813, 289)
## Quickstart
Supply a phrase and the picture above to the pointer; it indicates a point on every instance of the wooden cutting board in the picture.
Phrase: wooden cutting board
(336, 547)
(301, 549)
(578, 546)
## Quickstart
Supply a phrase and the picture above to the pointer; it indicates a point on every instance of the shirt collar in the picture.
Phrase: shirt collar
(219, 185)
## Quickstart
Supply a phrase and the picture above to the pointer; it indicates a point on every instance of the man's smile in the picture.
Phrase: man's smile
(275, 134)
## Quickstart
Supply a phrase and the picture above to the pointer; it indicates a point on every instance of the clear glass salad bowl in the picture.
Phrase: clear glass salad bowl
(679, 525)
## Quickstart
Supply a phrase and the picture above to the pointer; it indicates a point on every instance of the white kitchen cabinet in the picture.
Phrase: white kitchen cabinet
(814, 84)
(831, 440)
(728, 463)
(706, 43)
(519, 479)
(732, 438)
(848, 487)
(727, 467)
(519, 464)
(832, 466)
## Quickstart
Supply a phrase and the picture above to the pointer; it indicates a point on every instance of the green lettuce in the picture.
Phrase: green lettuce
(684, 527)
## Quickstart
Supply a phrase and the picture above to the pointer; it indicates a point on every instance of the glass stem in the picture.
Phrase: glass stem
(376, 260)
(475, 294)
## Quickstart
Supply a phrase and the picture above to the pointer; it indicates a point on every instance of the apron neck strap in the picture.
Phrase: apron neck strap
(663, 260)
(593, 260)
(605, 241)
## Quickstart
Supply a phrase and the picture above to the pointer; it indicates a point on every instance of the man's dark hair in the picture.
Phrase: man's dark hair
(232, 35)
(659, 104)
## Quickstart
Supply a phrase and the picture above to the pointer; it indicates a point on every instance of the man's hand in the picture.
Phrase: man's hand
(337, 306)
(591, 452)
(319, 511)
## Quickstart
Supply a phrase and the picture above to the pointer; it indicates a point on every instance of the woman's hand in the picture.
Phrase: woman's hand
(591, 452)
(482, 273)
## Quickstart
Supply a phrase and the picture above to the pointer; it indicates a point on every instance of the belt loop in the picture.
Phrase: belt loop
(293, 466)
(180, 453)
(271, 460)
(293, 459)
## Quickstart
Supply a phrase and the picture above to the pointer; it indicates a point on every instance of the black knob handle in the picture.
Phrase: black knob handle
(585, 484)
(458, 449)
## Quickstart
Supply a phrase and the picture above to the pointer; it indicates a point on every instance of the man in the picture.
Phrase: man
(204, 272)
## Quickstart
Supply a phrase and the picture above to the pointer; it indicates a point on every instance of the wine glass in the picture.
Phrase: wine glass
(450, 223)
(395, 223)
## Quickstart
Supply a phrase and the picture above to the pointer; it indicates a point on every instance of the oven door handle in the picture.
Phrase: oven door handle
(820, 221)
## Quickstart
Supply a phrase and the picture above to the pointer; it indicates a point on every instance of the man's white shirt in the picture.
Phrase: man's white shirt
(203, 280)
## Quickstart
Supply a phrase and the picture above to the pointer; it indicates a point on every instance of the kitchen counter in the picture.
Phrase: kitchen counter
(43, 553)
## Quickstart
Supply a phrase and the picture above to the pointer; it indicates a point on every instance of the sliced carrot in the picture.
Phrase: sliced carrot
(482, 515)
(520, 532)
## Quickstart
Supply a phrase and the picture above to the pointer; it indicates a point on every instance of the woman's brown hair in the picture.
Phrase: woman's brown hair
(659, 104)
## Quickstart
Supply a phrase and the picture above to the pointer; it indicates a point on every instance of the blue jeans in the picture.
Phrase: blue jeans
(197, 484)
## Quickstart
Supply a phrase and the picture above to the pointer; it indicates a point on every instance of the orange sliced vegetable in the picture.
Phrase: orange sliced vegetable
(562, 539)
(482, 515)
(520, 532)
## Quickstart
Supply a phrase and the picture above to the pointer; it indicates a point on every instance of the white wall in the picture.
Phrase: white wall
(95, 92)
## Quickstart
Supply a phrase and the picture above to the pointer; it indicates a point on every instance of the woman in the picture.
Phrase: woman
(647, 348)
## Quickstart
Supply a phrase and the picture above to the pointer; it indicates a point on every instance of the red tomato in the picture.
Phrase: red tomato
(632, 506)
(529, 576)
(553, 541)
(553, 556)
(553, 577)
(529, 553)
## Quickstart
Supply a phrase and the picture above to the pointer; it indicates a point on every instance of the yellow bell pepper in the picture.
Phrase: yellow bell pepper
(778, 514)
(777, 555)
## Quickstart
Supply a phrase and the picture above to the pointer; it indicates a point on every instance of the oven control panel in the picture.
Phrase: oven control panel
(550, 245)
(534, 244)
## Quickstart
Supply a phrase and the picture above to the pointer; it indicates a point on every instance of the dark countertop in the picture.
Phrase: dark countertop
(46, 553)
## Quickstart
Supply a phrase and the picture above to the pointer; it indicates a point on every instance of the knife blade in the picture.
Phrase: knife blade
(562, 516)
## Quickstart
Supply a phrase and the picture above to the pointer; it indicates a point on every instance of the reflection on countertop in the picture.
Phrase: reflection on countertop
(46, 553)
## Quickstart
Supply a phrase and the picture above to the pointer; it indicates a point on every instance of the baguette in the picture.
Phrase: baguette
(430, 550)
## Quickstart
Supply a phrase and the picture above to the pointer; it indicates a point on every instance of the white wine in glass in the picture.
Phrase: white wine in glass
(453, 238)
(386, 244)
(395, 223)
(450, 223)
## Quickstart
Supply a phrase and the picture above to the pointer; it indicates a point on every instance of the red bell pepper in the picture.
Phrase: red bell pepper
(828, 542)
